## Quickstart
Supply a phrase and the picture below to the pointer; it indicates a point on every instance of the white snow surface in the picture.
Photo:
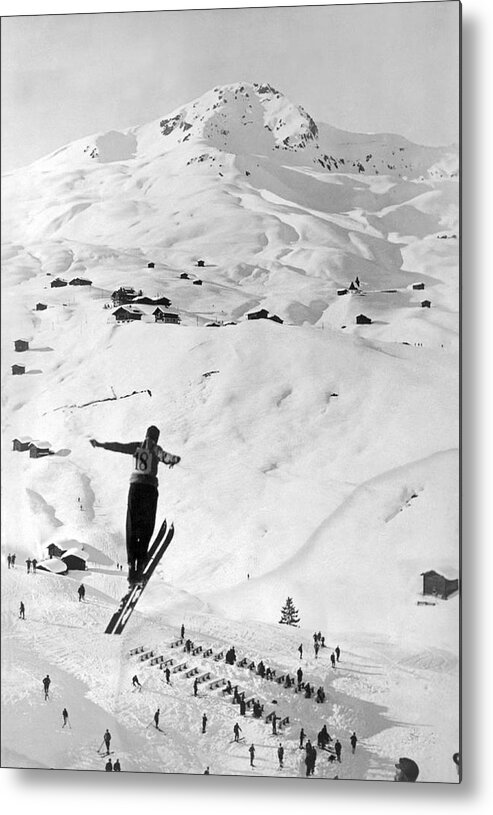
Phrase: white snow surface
(319, 457)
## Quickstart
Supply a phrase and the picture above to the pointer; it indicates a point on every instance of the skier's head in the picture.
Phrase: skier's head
(152, 433)
(408, 770)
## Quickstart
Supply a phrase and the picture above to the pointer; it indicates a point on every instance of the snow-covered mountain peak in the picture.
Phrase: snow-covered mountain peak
(242, 118)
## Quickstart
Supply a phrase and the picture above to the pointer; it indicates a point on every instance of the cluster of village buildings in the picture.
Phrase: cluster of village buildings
(131, 305)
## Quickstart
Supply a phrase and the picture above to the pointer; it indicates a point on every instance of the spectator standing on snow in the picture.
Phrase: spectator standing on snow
(333, 659)
(316, 648)
(338, 749)
(338, 652)
(302, 738)
(13, 560)
(323, 642)
(308, 750)
(65, 717)
(136, 683)
(313, 759)
(9, 560)
(28, 565)
(81, 591)
(299, 675)
(46, 685)
(116, 767)
(107, 741)
(206, 771)
(407, 770)
(280, 755)
(34, 564)
(251, 750)
(237, 730)
(182, 631)
(167, 674)
(274, 725)
(300, 649)
(156, 719)
(22, 611)
(353, 741)
(195, 687)
(204, 723)
(109, 766)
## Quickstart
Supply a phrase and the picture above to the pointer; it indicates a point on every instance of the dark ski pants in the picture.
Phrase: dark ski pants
(141, 517)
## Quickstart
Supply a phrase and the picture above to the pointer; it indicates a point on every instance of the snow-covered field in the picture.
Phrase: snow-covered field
(319, 456)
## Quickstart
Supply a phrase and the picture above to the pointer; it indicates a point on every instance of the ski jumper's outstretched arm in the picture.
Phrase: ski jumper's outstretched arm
(116, 446)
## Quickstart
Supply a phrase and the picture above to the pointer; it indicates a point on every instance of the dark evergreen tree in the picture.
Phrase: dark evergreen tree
(289, 614)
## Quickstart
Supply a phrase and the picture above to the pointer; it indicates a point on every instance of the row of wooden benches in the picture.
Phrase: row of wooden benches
(216, 683)
(178, 668)
(144, 654)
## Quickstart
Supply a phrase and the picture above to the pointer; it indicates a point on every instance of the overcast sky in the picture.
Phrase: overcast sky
(387, 67)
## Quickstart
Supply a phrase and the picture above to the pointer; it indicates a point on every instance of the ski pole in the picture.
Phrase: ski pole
(99, 748)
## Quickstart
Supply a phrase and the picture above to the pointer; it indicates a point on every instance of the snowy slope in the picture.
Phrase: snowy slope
(319, 456)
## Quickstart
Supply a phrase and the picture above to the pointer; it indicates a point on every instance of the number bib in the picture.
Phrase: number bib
(143, 461)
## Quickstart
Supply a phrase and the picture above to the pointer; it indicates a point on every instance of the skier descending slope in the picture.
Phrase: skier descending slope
(142, 495)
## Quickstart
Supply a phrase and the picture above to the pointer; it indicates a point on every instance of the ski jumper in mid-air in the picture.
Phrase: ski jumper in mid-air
(142, 495)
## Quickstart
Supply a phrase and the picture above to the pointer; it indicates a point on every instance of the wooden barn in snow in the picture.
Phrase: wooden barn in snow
(426, 304)
(418, 286)
(125, 294)
(75, 559)
(38, 449)
(21, 345)
(151, 301)
(162, 316)
(125, 314)
(201, 263)
(438, 585)
(80, 281)
(340, 292)
(197, 282)
(54, 550)
(18, 369)
(150, 265)
(57, 283)
(41, 306)
(362, 319)
(261, 314)
(21, 444)
(184, 276)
